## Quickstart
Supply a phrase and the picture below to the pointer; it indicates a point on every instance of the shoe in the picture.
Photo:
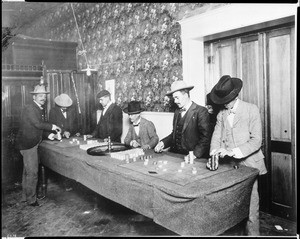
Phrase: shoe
(40, 197)
(35, 204)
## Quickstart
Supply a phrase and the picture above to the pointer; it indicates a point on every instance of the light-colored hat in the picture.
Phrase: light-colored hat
(63, 100)
(179, 85)
(39, 89)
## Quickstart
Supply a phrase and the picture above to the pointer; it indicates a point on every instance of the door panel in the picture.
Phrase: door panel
(280, 45)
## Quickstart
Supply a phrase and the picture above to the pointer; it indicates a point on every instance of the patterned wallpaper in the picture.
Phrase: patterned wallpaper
(136, 44)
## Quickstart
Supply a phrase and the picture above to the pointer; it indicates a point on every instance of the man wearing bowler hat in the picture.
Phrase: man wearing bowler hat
(111, 120)
(29, 136)
(142, 132)
(237, 137)
(191, 125)
(63, 115)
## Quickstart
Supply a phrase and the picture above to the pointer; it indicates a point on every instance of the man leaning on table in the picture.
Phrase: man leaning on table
(191, 124)
(237, 137)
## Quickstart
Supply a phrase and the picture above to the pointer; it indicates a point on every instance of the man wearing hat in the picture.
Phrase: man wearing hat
(63, 115)
(29, 136)
(237, 137)
(111, 120)
(191, 126)
(142, 132)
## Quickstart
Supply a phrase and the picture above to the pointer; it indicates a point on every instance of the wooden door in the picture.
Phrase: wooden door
(281, 124)
(265, 62)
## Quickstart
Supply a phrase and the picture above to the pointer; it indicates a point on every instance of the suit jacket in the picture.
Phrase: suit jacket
(66, 124)
(110, 124)
(246, 132)
(147, 134)
(196, 131)
(31, 127)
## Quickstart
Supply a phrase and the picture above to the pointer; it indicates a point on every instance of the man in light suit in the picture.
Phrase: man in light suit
(141, 132)
(191, 125)
(111, 120)
(32, 125)
(237, 137)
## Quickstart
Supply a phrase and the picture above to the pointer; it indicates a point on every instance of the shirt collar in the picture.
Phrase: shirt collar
(40, 106)
(107, 106)
(233, 109)
(186, 107)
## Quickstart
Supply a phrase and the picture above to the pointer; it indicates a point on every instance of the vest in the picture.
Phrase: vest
(177, 146)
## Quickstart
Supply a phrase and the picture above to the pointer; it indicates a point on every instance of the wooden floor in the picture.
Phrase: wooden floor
(81, 212)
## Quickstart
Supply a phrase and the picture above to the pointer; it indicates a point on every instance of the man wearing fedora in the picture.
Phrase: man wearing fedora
(237, 137)
(63, 115)
(29, 136)
(142, 132)
(111, 119)
(191, 125)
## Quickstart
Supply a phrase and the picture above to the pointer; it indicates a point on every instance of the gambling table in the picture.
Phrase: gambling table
(175, 197)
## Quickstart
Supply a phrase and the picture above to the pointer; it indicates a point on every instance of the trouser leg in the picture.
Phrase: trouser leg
(252, 227)
(30, 173)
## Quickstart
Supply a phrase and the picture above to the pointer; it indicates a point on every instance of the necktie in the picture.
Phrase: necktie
(136, 125)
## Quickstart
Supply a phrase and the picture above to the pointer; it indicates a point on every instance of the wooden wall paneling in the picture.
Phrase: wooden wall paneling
(280, 75)
(250, 70)
(282, 179)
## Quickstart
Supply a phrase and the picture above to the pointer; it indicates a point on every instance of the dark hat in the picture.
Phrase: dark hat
(179, 85)
(134, 107)
(103, 93)
(226, 90)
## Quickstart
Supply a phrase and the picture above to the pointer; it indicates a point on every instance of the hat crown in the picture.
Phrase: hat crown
(179, 85)
(103, 93)
(63, 100)
(134, 107)
(224, 87)
(39, 89)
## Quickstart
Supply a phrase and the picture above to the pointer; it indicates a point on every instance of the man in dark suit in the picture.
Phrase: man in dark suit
(111, 120)
(191, 125)
(28, 139)
(63, 115)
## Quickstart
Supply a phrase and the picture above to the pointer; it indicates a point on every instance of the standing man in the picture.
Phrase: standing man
(28, 139)
(111, 120)
(141, 132)
(191, 126)
(237, 137)
(64, 116)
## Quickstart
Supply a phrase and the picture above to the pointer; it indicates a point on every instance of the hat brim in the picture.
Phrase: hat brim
(64, 105)
(45, 92)
(182, 88)
(238, 84)
(132, 113)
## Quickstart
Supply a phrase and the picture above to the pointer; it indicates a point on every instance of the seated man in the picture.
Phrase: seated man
(142, 132)
(191, 125)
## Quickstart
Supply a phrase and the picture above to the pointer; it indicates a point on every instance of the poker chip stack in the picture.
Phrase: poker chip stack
(131, 153)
